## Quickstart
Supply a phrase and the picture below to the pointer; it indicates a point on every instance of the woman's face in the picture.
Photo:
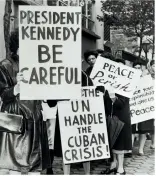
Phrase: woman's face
(138, 67)
(91, 60)
(153, 67)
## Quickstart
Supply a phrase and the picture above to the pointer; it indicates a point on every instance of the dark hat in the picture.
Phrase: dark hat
(138, 62)
(100, 51)
(90, 52)
(120, 60)
(152, 62)
(108, 55)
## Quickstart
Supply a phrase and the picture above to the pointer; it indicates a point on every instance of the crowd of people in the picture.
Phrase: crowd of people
(33, 149)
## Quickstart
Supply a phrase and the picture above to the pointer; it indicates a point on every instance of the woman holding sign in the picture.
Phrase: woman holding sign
(117, 105)
(145, 127)
(25, 150)
(86, 81)
(91, 56)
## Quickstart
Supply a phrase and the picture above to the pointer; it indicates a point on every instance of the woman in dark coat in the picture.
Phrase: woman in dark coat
(29, 151)
(123, 144)
(118, 106)
(121, 109)
(91, 56)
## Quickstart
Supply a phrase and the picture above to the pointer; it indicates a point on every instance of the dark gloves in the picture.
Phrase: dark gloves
(100, 89)
(52, 103)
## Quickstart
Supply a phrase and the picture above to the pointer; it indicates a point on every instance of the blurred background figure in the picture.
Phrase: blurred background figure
(119, 106)
(142, 128)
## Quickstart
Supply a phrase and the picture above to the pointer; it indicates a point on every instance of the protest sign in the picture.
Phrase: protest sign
(51, 69)
(142, 103)
(83, 128)
(121, 78)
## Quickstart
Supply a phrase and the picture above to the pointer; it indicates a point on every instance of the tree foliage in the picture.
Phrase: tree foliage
(136, 17)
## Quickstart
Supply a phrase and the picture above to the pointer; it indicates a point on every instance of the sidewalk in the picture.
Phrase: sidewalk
(137, 165)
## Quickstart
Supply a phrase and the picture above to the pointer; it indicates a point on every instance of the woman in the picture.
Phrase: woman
(118, 105)
(90, 57)
(86, 81)
(29, 151)
(152, 72)
(142, 128)
(151, 68)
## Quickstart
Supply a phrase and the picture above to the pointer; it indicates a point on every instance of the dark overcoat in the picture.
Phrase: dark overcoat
(28, 151)
(121, 109)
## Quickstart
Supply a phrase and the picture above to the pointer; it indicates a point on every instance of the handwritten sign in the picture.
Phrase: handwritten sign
(83, 128)
(142, 103)
(122, 79)
(51, 69)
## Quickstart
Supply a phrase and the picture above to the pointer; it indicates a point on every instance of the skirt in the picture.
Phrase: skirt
(124, 140)
(143, 127)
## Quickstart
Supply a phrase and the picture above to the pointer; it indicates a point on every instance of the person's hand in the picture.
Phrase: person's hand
(17, 89)
(19, 78)
(113, 99)
(112, 96)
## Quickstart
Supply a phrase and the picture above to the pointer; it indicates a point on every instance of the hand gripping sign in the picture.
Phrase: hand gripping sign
(122, 79)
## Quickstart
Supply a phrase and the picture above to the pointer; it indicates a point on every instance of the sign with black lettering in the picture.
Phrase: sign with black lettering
(50, 52)
(115, 76)
(142, 104)
(83, 128)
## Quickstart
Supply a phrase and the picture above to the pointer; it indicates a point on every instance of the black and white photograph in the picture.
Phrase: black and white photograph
(77, 87)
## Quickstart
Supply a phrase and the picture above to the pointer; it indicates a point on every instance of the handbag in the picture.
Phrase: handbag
(11, 123)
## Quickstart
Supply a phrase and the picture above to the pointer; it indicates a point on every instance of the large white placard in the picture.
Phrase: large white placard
(121, 78)
(83, 128)
(50, 52)
(142, 103)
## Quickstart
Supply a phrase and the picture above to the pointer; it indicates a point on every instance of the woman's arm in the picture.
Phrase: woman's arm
(6, 92)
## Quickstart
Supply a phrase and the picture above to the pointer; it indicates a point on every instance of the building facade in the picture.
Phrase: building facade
(128, 46)
(92, 29)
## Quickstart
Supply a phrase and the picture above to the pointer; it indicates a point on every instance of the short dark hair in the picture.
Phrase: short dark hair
(108, 55)
(152, 62)
(120, 60)
(89, 53)
(14, 41)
